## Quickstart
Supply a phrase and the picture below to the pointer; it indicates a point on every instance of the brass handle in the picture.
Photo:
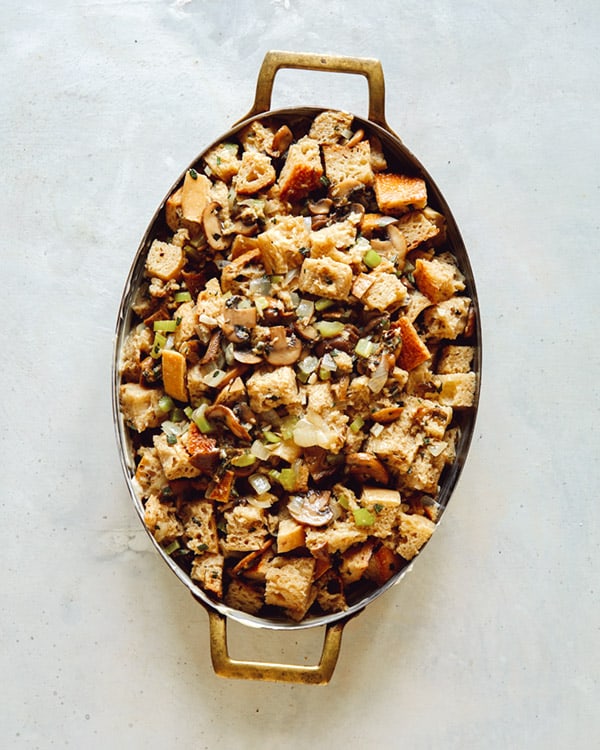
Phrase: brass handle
(364, 66)
(225, 666)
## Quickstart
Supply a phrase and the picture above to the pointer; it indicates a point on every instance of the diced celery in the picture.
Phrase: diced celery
(371, 259)
(165, 325)
(363, 517)
(329, 328)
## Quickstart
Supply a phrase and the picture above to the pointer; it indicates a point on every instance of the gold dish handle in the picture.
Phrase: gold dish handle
(318, 674)
(368, 67)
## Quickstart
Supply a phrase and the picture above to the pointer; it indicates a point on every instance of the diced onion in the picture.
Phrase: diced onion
(308, 365)
(259, 483)
(377, 429)
(305, 309)
(328, 362)
(365, 347)
(260, 450)
(260, 286)
(265, 500)
(379, 377)
(437, 448)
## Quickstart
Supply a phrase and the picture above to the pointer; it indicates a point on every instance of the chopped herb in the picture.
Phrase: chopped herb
(216, 236)
(378, 507)
(171, 439)
(202, 547)
(193, 174)
(325, 181)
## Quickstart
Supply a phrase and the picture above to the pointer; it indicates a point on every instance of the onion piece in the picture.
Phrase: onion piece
(260, 484)
(260, 450)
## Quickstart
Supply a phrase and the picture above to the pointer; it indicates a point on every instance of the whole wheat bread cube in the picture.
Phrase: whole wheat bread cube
(347, 167)
(414, 532)
(139, 406)
(455, 358)
(289, 582)
(161, 520)
(207, 569)
(325, 278)
(200, 526)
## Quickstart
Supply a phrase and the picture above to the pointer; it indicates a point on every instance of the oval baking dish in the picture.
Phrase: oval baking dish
(407, 293)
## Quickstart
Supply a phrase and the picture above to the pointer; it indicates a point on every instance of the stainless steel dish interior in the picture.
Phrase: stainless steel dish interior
(400, 158)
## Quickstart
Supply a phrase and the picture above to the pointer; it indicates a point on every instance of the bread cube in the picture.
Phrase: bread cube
(347, 168)
(302, 170)
(448, 319)
(161, 520)
(396, 193)
(139, 406)
(164, 261)
(289, 583)
(207, 569)
(386, 292)
(325, 278)
(175, 459)
(223, 161)
(268, 389)
(281, 244)
(255, 173)
(455, 359)
(414, 351)
(331, 127)
(414, 532)
(438, 280)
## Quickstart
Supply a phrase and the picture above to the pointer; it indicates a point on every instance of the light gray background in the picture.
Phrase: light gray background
(493, 640)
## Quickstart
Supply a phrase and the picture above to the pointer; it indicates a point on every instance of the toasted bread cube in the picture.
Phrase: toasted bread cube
(200, 526)
(417, 228)
(281, 244)
(448, 319)
(289, 582)
(269, 389)
(173, 215)
(290, 535)
(386, 292)
(149, 473)
(161, 520)
(223, 161)
(175, 459)
(414, 532)
(455, 359)
(137, 344)
(331, 126)
(413, 351)
(330, 593)
(337, 537)
(457, 389)
(355, 561)
(245, 529)
(174, 368)
(195, 196)
(254, 174)
(302, 170)
(371, 222)
(207, 569)
(164, 261)
(257, 137)
(414, 305)
(396, 193)
(438, 280)
(139, 406)
(245, 597)
(347, 168)
(384, 563)
(326, 278)
(326, 241)
(202, 448)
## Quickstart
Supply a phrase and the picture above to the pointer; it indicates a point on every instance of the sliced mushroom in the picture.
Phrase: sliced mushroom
(246, 357)
(367, 465)
(311, 508)
(344, 341)
(212, 226)
(388, 414)
(318, 465)
(356, 138)
(213, 350)
(276, 314)
(238, 322)
(398, 240)
(246, 230)
(224, 413)
(281, 141)
(318, 208)
(284, 347)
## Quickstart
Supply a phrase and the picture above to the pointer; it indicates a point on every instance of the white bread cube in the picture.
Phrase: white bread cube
(448, 319)
(161, 520)
(281, 243)
(302, 170)
(139, 406)
(331, 126)
(347, 168)
(438, 280)
(269, 389)
(396, 193)
(164, 261)
(256, 172)
(223, 161)
(326, 278)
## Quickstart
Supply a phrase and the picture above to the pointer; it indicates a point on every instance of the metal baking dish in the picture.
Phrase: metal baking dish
(375, 124)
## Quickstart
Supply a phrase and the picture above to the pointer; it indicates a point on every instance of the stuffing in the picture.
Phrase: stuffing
(299, 365)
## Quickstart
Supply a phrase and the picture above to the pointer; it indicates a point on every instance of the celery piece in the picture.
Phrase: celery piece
(167, 326)
(329, 328)
(363, 517)
(371, 259)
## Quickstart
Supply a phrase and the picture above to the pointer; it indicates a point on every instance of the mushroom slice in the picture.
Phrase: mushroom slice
(246, 357)
(212, 226)
(285, 347)
(320, 207)
(222, 412)
(281, 141)
(311, 508)
(387, 414)
(366, 465)
(213, 350)
(398, 240)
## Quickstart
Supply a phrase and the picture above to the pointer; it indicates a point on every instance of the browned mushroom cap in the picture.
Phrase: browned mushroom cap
(276, 314)
(311, 508)
(284, 347)
(212, 226)
(387, 414)
(239, 227)
(366, 465)
(246, 357)
(356, 138)
(222, 412)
